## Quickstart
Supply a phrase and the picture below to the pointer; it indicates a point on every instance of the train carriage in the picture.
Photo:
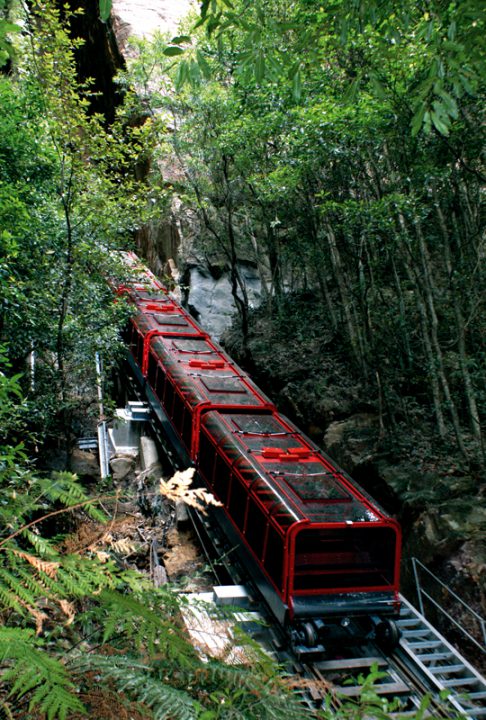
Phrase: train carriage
(152, 321)
(186, 371)
(191, 375)
(324, 545)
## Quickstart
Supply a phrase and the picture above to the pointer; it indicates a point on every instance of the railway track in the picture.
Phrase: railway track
(329, 682)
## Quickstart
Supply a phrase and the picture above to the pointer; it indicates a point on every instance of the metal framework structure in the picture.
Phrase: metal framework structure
(423, 594)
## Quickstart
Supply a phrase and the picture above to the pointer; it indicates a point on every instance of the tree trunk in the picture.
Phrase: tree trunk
(412, 276)
(237, 283)
(66, 190)
(347, 303)
(461, 333)
(429, 288)
(403, 311)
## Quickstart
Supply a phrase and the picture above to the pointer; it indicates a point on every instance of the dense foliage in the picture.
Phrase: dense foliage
(339, 148)
(63, 207)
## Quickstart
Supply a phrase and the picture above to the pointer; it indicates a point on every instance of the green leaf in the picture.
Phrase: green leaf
(204, 11)
(194, 73)
(417, 120)
(352, 90)
(182, 75)
(173, 50)
(466, 84)
(297, 85)
(105, 9)
(8, 27)
(203, 65)
(440, 124)
(181, 39)
(378, 87)
(260, 66)
(450, 104)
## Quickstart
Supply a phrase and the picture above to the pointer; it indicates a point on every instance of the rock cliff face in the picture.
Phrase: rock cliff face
(99, 57)
(143, 18)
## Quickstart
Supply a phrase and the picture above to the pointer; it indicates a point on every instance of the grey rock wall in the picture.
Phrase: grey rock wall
(211, 301)
(143, 18)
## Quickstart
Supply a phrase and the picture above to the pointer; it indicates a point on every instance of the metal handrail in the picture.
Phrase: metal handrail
(422, 593)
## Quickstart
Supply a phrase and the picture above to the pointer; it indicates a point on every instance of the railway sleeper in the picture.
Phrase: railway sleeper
(393, 689)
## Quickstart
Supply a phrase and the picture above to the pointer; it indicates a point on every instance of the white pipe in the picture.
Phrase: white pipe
(99, 385)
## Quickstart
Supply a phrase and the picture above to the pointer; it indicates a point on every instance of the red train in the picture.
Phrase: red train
(321, 549)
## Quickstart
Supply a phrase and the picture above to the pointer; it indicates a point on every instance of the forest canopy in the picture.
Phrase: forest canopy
(340, 147)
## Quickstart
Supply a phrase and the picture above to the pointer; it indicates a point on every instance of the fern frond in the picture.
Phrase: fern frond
(144, 626)
(42, 546)
(65, 488)
(42, 586)
(31, 672)
(81, 576)
(43, 566)
(20, 501)
(255, 695)
(15, 588)
(178, 488)
(134, 678)
(9, 599)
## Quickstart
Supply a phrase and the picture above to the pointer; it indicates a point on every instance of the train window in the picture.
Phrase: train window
(255, 528)
(187, 429)
(193, 346)
(283, 518)
(315, 486)
(207, 454)
(139, 351)
(160, 383)
(237, 502)
(169, 398)
(274, 555)
(273, 501)
(152, 369)
(178, 412)
(175, 319)
(343, 558)
(222, 479)
(231, 385)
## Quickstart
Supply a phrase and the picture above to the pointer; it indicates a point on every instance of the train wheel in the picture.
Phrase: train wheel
(387, 635)
(303, 636)
(310, 634)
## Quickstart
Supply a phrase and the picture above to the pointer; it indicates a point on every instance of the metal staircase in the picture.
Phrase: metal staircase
(441, 664)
